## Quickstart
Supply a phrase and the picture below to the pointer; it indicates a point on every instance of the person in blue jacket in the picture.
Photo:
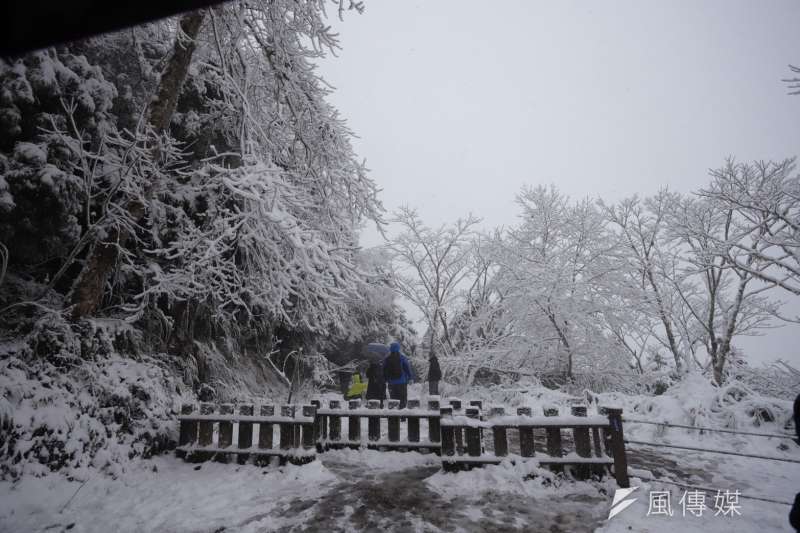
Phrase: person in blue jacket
(397, 373)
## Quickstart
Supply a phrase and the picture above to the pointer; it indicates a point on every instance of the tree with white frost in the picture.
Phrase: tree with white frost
(763, 199)
(431, 265)
(233, 200)
(641, 228)
(716, 276)
(558, 265)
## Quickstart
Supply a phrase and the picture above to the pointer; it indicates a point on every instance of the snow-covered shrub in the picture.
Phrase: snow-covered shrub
(695, 401)
(70, 402)
(778, 379)
(654, 383)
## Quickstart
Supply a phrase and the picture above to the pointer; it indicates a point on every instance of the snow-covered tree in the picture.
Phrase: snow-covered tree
(559, 265)
(201, 184)
(431, 265)
(641, 228)
(763, 199)
(723, 301)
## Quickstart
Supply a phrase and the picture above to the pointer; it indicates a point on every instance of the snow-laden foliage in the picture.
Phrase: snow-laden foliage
(246, 210)
(605, 293)
(697, 402)
(71, 401)
(43, 192)
(430, 266)
(189, 180)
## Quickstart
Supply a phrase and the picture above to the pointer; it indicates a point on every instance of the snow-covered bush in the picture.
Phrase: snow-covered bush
(696, 401)
(71, 401)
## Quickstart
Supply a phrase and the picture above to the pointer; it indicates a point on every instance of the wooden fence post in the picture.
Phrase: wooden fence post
(476, 403)
(473, 434)
(374, 422)
(188, 430)
(354, 424)
(205, 431)
(286, 428)
(583, 446)
(618, 448)
(413, 422)
(335, 422)
(553, 435)
(265, 428)
(598, 450)
(309, 434)
(245, 433)
(526, 448)
(447, 433)
(455, 403)
(394, 421)
(434, 428)
(225, 432)
(479, 405)
(318, 424)
(499, 433)
(606, 434)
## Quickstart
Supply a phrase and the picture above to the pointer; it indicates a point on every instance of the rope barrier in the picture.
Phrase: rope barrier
(707, 489)
(725, 452)
(667, 424)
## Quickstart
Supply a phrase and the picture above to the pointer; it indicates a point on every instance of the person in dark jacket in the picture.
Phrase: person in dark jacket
(434, 375)
(794, 514)
(397, 373)
(797, 417)
(344, 382)
(376, 386)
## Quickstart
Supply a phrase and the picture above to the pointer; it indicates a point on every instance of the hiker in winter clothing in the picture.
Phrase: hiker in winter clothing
(434, 375)
(794, 513)
(376, 386)
(397, 373)
(344, 382)
(797, 417)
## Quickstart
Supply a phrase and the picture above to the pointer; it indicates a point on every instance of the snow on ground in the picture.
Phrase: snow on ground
(163, 494)
(383, 461)
(369, 490)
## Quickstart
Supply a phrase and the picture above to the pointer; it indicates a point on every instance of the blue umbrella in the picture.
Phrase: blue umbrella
(377, 350)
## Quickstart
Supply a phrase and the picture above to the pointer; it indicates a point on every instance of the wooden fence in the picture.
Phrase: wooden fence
(402, 426)
(209, 433)
(463, 434)
(596, 441)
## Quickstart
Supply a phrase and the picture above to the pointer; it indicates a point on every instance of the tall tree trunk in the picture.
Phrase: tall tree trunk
(169, 88)
(723, 350)
(673, 345)
(87, 292)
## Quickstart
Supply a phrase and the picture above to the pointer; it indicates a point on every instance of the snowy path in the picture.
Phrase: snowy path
(383, 491)
(373, 499)
(345, 491)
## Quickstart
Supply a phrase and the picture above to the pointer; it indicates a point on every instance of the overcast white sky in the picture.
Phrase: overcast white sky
(459, 103)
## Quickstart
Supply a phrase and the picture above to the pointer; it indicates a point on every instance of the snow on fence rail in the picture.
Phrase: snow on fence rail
(455, 431)
(598, 440)
(255, 433)
(329, 425)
